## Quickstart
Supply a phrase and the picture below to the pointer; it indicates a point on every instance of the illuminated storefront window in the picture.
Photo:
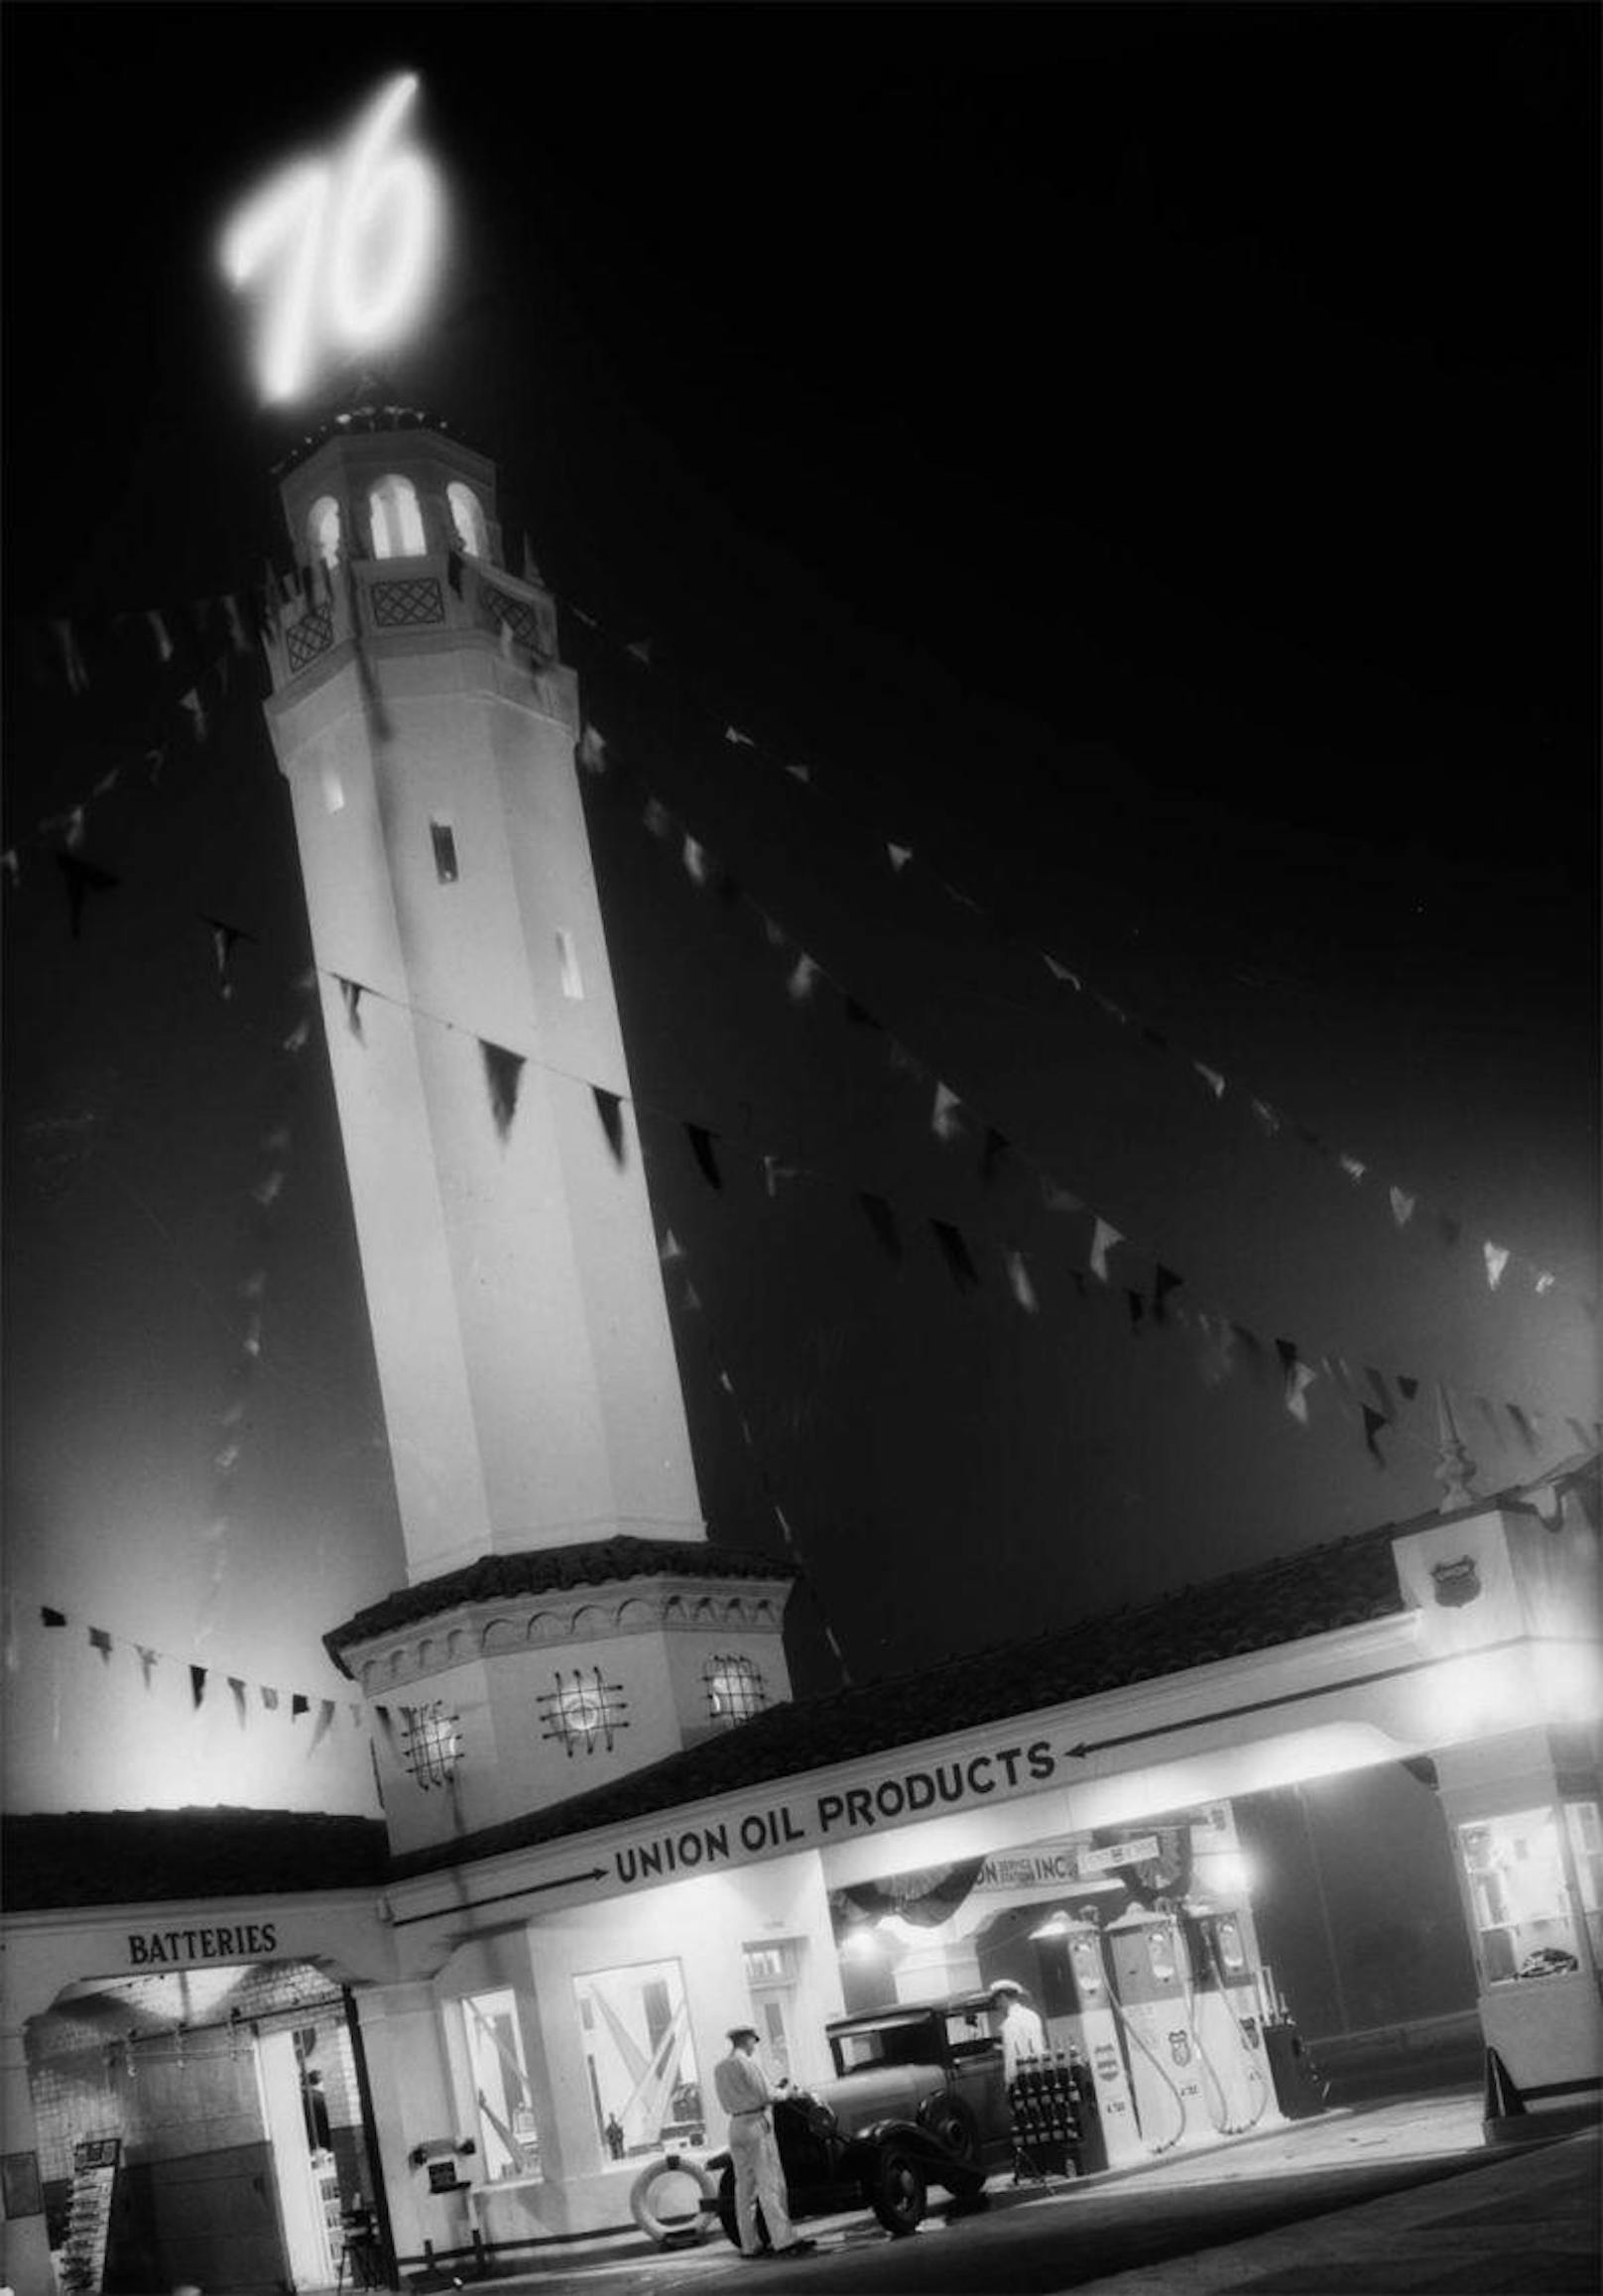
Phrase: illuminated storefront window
(1581, 1819)
(644, 2088)
(508, 2139)
(1516, 1875)
(734, 1689)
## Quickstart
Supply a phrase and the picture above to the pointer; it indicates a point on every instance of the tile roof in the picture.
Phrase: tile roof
(596, 1562)
(158, 1857)
(1296, 1596)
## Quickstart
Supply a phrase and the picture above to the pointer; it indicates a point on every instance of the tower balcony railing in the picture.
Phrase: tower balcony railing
(317, 609)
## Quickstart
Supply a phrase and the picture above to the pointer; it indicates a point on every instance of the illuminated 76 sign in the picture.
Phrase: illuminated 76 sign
(340, 251)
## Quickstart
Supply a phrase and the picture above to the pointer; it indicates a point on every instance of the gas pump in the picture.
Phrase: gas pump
(1082, 2018)
(1154, 2014)
(1224, 2015)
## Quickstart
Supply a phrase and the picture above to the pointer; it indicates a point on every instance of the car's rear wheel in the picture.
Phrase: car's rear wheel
(727, 2215)
(897, 2191)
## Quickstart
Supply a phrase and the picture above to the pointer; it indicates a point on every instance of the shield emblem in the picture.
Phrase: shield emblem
(1179, 2048)
(1456, 1583)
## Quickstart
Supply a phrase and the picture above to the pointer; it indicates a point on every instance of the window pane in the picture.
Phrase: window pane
(508, 2139)
(639, 2055)
(1517, 1889)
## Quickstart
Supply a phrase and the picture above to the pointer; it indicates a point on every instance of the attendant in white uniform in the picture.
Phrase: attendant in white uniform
(746, 2095)
(1022, 2032)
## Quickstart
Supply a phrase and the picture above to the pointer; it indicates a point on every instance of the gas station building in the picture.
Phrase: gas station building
(609, 1830)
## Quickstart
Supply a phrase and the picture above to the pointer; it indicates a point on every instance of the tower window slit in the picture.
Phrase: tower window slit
(444, 851)
(567, 959)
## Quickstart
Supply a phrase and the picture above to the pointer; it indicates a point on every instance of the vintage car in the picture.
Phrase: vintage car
(917, 2100)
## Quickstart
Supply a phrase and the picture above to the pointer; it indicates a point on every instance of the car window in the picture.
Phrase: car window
(902, 2043)
(969, 2034)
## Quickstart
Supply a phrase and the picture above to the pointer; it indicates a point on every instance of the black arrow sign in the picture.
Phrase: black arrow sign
(1286, 1698)
(478, 1904)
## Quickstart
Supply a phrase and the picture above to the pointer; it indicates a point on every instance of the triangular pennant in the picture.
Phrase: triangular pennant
(351, 991)
(299, 1704)
(700, 1140)
(196, 708)
(899, 856)
(164, 644)
(1023, 1291)
(1251, 1349)
(955, 1250)
(1407, 1389)
(1377, 1381)
(1058, 1199)
(197, 1684)
(996, 1149)
(77, 677)
(147, 1662)
(502, 1073)
(100, 1641)
(1522, 1427)
(268, 1189)
(672, 1248)
(325, 1723)
(903, 1062)
(270, 1699)
(737, 740)
(1353, 1167)
(1544, 1282)
(1299, 1377)
(656, 817)
(224, 938)
(1497, 1259)
(50, 1617)
(531, 573)
(592, 749)
(1218, 1350)
(1374, 1421)
(692, 1299)
(107, 782)
(609, 1108)
(1267, 1116)
(1103, 1237)
(945, 1119)
(1402, 1205)
(775, 1170)
(800, 984)
(11, 865)
(641, 652)
(1136, 1308)
(696, 859)
(236, 1691)
(1060, 972)
(237, 624)
(1165, 1281)
(82, 877)
(1211, 1078)
(882, 1220)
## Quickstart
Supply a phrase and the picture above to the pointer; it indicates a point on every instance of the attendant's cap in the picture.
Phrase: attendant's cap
(742, 2033)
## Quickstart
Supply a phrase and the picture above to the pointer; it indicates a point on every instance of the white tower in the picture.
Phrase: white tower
(543, 1465)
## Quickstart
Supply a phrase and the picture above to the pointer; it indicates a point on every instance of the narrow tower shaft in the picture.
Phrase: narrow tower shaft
(427, 730)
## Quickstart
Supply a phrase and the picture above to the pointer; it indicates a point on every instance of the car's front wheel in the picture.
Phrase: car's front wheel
(897, 2191)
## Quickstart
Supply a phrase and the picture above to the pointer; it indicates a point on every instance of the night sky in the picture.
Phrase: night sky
(1144, 463)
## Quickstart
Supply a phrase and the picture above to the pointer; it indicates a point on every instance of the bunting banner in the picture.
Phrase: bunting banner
(900, 854)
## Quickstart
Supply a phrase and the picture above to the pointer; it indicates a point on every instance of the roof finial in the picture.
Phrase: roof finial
(1455, 1469)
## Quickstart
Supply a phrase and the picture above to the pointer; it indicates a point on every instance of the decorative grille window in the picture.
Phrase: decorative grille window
(305, 640)
(402, 605)
(397, 520)
(734, 1689)
(434, 1745)
(583, 1713)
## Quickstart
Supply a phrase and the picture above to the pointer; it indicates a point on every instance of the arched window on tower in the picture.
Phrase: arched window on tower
(468, 516)
(397, 520)
(325, 532)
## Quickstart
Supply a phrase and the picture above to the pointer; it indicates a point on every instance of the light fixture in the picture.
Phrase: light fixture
(1054, 1925)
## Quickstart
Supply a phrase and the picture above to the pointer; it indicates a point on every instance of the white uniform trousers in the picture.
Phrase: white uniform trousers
(759, 2180)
